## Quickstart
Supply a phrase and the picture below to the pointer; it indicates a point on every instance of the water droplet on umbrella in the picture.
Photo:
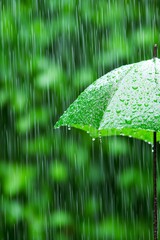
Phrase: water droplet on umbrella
(100, 139)
(135, 87)
(146, 104)
(122, 134)
(118, 111)
(139, 104)
(128, 120)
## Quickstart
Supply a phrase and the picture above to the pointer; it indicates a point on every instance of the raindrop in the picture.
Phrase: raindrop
(150, 112)
(139, 104)
(122, 134)
(146, 104)
(135, 87)
(118, 111)
(128, 120)
(99, 134)
(93, 139)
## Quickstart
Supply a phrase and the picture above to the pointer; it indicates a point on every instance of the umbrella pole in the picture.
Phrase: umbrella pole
(155, 187)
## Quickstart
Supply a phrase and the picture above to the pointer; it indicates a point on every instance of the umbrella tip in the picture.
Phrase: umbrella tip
(155, 50)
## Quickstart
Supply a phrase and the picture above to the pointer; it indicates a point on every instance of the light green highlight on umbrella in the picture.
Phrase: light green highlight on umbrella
(125, 101)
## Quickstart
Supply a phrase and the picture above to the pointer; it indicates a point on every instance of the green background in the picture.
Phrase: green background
(59, 184)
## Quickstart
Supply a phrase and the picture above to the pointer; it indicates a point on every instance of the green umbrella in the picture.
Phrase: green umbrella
(125, 101)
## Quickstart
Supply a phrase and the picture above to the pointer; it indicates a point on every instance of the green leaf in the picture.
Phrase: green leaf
(83, 77)
(8, 31)
(52, 78)
(95, 174)
(36, 223)
(35, 117)
(76, 154)
(19, 100)
(113, 228)
(13, 211)
(36, 33)
(61, 219)
(115, 49)
(92, 207)
(62, 5)
(16, 178)
(59, 171)
(40, 145)
(4, 97)
(65, 24)
(103, 15)
(135, 179)
(117, 147)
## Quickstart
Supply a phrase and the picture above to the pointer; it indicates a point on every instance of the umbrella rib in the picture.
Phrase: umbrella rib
(115, 93)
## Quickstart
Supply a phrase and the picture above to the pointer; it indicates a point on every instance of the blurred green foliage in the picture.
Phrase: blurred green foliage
(59, 184)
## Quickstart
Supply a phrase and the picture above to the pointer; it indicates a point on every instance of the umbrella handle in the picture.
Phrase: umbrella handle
(155, 187)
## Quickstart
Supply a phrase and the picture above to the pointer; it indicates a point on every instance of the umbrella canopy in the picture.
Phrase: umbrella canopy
(124, 101)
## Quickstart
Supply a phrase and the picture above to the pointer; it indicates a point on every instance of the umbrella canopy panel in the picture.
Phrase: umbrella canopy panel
(125, 101)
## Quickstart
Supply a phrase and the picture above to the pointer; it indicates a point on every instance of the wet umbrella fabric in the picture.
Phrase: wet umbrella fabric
(125, 101)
